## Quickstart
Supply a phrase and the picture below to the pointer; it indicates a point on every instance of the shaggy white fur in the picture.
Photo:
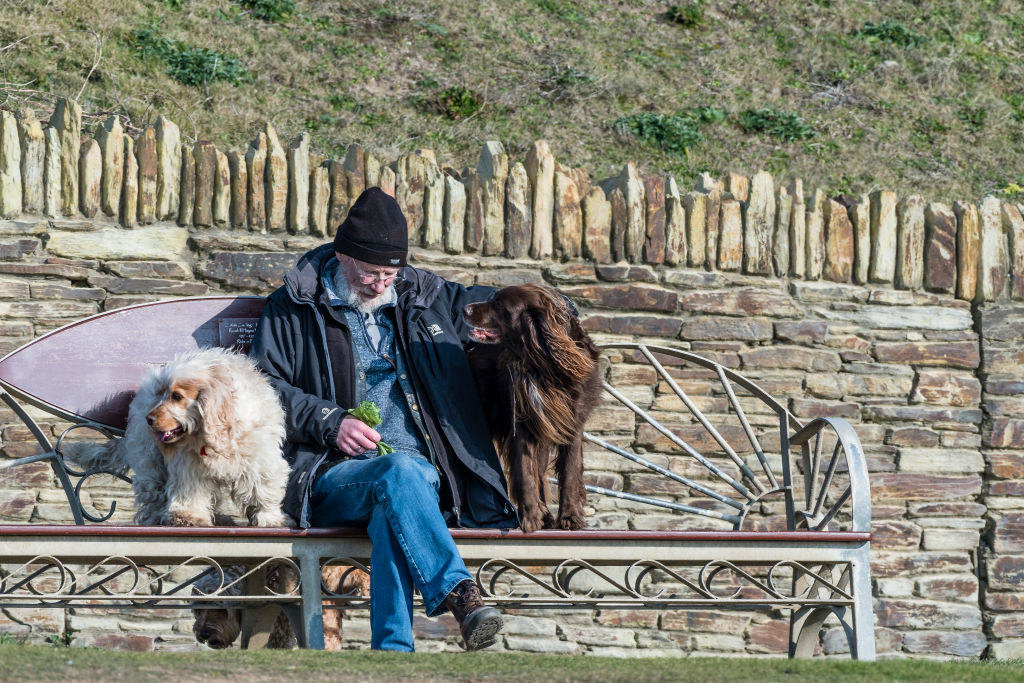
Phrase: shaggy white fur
(205, 424)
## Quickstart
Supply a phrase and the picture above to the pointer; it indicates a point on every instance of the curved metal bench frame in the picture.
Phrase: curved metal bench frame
(817, 568)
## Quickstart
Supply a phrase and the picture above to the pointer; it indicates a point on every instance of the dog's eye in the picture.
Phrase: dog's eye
(176, 396)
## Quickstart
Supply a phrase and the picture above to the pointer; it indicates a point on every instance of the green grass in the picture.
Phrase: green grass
(915, 97)
(42, 663)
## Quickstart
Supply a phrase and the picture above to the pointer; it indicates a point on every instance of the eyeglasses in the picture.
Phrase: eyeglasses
(371, 278)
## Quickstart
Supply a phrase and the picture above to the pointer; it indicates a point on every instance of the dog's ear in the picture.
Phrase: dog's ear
(217, 409)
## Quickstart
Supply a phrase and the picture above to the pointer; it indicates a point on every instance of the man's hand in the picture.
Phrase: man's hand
(354, 437)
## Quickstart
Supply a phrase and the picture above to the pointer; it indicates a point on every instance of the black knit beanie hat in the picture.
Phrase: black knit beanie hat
(374, 231)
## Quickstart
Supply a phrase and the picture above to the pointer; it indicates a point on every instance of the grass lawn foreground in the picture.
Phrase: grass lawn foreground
(45, 663)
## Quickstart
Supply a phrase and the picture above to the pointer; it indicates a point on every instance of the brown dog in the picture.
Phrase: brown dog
(538, 377)
(219, 627)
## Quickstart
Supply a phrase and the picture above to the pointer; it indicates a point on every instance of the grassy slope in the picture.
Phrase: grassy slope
(942, 118)
(43, 663)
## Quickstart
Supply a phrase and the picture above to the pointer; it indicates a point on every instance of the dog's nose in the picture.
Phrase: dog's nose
(149, 420)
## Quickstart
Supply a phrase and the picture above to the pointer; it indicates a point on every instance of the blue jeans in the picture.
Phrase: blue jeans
(396, 497)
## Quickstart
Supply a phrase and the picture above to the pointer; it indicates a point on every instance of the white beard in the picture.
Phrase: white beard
(353, 298)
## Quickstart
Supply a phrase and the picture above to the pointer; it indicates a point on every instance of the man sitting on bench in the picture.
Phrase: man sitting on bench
(354, 323)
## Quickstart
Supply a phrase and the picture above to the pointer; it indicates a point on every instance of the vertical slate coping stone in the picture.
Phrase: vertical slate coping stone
(910, 243)
(387, 180)
(130, 189)
(992, 256)
(654, 241)
(518, 212)
(1013, 224)
(52, 182)
(568, 216)
(145, 154)
(780, 232)
(696, 207)
(187, 191)
(67, 120)
(730, 235)
(619, 221)
(540, 171)
(338, 204)
(675, 225)
(371, 165)
(433, 201)
(860, 215)
(239, 190)
(939, 249)
(454, 215)
(883, 236)
(319, 198)
(968, 238)
(298, 185)
(815, 224)
(712, 214)
(205, 157)
(33, 160)
(256, 165)
(276, 181)
(10, 166)
(409, 193)
(798, 230)
(110, 136)
(168, 156)
(90, 175)
(838, 242)
(758, 222)
(491, 172)
(222, 190)
(356, 175)
(597, 226)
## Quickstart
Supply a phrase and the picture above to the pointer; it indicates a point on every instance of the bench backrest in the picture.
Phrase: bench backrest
(89, 370)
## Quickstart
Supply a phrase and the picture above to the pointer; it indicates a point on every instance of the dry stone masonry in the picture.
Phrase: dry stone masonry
(901, 314)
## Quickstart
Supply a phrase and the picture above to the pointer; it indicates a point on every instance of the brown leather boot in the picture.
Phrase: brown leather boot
(478, 622)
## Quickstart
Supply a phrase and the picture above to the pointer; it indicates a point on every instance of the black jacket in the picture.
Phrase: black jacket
(291, 347)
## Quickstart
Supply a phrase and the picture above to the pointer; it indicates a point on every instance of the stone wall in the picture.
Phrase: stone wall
(902, 315)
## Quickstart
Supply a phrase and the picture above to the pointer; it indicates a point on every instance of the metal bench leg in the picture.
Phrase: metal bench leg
(312, 602)
(863, 645)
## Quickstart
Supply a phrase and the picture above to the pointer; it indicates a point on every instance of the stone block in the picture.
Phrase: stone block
(1006, 465)
(256, 196)
(1009, 649)
(716, 328)
(205, 156)
(906, 486)
(968, 245)
(320, 201)
(145, 154)
(644, 325)
(941, 460)
(970, 644)
(758, 225)
(951, 354)
(894, 588)
(519, 212)
(67, 121)
(90, 174)
(187, 188)
(454, 221)
(604, 637)
(168, 158)
(1008, 626)
(110, 138)
(597, 223)
(910, 242)
(222, 190)
(1013, 225)
(791, 357)
(248, 271)
(52, 182)
(637, 297)
(747, 301)
(540, 171)
(568, 225)
(543, 645)
(883, 236)
(298, 188)
(491, 173)
(730, 235)
(839, 243)
(32, 148)
(770, 637)
(474, 232)
(1008, 536)
(802, 331)
(895, 535)
(1002, 323)
(129, 216)
(920, 615)
(993, 251)
(276, 181)
(939, 249)
(696, 207)
(1005, 432)
(946, 388)
(780, 233)
(950, 539)
(798, 230)
(156, 242)
(958, 588)
(675, 225)
(655, 236)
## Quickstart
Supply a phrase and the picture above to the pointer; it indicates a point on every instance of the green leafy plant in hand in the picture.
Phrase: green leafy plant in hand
(368, 413)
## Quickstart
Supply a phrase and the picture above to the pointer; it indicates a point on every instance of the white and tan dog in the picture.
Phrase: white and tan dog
(205, 424)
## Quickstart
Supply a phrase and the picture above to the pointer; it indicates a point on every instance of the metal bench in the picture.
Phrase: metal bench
(770, 513)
